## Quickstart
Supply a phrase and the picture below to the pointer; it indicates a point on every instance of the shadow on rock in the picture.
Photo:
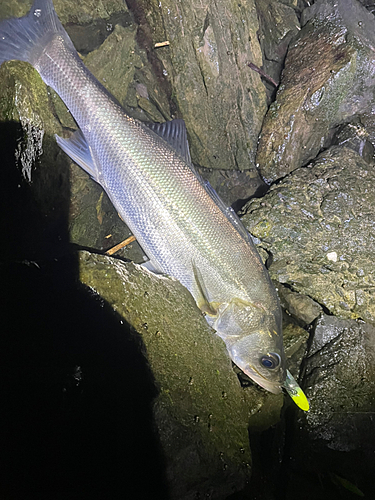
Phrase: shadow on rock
(76, 418)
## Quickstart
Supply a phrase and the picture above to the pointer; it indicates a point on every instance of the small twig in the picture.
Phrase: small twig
(161, 44)
(262, 73)
(118, 247)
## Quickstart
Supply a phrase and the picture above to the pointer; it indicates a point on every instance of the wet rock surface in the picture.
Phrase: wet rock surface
(337, 434)
(198, 392)
(34, 198)
(222, 102)
(278, 23)
(327, 80)
(300, 306)
(317, 226)
(318, 223)
(356, 137)
(340, 378)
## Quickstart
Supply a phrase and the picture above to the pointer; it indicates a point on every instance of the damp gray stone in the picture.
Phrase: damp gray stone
(327, 80)
(201, 411)
(318, 224)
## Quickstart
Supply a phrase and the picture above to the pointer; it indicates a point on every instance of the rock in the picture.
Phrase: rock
(278, 25)
(200, 411)
(338, 429)
(123, 69)
(299, 305)
(89, 12)
(295, 345)
(356, 137)
(221, 100)
(327, 80)
(69, 11)
(234, 187)
(34, 197)
(318, 225)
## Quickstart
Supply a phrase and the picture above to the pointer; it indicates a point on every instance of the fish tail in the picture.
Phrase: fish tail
(25, 38)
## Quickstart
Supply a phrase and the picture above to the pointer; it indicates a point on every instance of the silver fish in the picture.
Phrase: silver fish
(178, 219)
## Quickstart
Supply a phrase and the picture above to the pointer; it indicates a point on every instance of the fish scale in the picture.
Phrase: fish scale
(179, 221)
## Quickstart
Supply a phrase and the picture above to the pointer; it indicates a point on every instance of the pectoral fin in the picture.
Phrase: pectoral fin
(201, 295)
(152, 266)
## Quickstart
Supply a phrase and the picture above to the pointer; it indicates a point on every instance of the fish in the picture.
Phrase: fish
(182, 225)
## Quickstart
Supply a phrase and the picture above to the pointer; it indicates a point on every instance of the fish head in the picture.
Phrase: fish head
(253, 337)
(260, 359)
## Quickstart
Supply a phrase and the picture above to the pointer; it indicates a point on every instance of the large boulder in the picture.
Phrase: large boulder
(328, 79)
(318, 223)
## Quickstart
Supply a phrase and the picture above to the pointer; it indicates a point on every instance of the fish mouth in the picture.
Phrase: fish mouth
(289, 384)
(268, 385)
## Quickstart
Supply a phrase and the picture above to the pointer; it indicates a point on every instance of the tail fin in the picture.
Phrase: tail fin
(25, 38)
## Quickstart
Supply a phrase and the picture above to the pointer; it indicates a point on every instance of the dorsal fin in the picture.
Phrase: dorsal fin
(174, 132)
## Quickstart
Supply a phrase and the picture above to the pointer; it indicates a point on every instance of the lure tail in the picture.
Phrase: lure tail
(25, 38)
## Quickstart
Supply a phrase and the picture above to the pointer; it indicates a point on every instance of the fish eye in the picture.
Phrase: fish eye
(270, 360)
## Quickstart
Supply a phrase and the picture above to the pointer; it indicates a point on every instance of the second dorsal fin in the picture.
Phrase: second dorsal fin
(174, 132)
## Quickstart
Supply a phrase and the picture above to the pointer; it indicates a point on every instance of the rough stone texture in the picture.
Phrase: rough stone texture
(123, 69)
(221, 100)
(328, 78)
(88, 11)
(70, 11)
(318, 224)
(299, 305)
(337, 433)
(278, 25)
(354, 136)
(200, 411)
(340, 382)
(234, 187)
